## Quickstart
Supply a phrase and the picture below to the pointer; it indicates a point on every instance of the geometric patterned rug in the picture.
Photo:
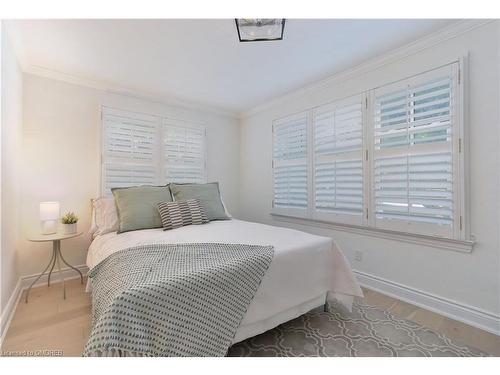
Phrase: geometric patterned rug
(367, 331)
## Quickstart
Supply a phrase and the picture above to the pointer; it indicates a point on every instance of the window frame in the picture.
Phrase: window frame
(459, 146)
(158, 162)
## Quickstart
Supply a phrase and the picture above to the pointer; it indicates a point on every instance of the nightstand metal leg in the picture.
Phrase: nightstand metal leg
(70, 266)
(57, 249)
(56, 259)
(52, 259)
(51, 269)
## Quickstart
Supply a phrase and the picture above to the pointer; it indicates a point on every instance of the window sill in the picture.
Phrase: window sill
(420, 239)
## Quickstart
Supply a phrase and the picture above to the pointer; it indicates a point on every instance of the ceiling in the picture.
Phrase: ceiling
(201, 61)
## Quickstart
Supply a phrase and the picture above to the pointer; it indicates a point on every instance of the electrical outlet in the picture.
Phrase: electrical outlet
(358, 255)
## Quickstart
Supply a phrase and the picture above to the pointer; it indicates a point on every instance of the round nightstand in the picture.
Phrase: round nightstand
(56, 255)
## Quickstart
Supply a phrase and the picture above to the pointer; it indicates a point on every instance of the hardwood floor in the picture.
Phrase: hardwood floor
(49, 322)
(453, 329)
(61, 327)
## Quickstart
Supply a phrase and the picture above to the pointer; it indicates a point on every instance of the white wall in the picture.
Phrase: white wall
(470, 279)
(61, 148)
(11, 131)
(60, 151)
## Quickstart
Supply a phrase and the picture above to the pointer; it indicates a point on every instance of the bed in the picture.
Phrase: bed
(305, 272)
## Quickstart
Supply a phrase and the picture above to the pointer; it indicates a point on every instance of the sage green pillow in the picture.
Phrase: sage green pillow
(137, 206)
(207, 194)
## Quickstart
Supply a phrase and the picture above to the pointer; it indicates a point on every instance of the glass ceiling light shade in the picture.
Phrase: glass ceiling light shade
(260, 29)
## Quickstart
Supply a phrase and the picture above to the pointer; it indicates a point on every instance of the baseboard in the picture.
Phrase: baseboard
(23, 283)
(467, 314)
(9, 310)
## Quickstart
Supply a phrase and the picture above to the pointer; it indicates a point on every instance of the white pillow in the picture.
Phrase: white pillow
(104, 216)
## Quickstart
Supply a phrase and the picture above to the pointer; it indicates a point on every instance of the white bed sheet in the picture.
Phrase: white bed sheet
(305, 269)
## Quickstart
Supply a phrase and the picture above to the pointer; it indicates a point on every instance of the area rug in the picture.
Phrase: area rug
(367, 331)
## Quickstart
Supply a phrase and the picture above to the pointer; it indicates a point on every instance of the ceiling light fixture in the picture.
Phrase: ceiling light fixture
(260, 29)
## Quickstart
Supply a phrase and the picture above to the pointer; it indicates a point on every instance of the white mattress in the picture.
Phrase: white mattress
(304, 271)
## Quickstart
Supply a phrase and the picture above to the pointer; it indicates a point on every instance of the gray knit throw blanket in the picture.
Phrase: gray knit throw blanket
(173, 299)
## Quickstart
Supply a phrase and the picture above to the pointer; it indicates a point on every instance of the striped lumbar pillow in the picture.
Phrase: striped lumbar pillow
(180, 213)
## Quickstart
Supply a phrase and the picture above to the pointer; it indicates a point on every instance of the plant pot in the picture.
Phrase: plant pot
(69, 228)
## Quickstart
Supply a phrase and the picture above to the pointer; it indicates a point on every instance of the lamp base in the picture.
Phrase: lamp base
(49, 226)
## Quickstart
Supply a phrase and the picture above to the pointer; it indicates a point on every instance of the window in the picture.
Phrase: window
(184, 152)
(389, 158)
(141, 149)
(338, 161)
(290, 165)
(413, 154)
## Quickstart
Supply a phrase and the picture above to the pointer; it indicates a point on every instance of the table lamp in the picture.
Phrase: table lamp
(49, 215)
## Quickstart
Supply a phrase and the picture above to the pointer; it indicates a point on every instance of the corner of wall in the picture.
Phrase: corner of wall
(11, 137)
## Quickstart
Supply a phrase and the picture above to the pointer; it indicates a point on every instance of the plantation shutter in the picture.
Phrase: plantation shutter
(142, 149)
(183, 152)
(338, 161)
(130, 152)
(290, 165)
(413, 172)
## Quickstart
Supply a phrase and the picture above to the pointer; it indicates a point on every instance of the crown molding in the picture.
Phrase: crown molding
(426, 42)
(124, 91)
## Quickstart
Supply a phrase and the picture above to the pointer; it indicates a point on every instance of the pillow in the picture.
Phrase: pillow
(104, 216)
(137, 206)
(208, 194)
(224, 205)
(178, 214)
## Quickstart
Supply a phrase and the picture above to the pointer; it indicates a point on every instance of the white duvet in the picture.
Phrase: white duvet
(304, 271)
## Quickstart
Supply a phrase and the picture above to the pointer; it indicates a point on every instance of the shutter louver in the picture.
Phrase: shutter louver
(338, 171)
(129, 138)
(183, 153)
(413, 151)
(130, 154)
(290, 164)
(414, 116)
(290, 186)
(417, 188)
(123, 175)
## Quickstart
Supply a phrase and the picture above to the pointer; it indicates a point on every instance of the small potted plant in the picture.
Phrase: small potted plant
(69, 223)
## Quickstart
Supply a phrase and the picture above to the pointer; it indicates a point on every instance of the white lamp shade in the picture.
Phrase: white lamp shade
(49, 211)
